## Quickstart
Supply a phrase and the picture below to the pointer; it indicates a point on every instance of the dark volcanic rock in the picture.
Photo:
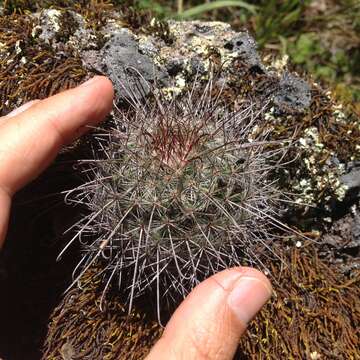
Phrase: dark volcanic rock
(343, 240)
(351, 180)
(245, 47)
(122, 61)
(293, 94)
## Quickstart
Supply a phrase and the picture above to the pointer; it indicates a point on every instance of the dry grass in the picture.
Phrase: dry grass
(78, 326)
(315, 309)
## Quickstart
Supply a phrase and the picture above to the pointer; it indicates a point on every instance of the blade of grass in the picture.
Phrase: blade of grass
(198, 10)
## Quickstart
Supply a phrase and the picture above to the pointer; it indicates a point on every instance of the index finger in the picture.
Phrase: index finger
(29, 141)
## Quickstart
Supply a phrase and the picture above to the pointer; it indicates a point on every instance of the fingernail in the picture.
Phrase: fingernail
(248, 297)
(89, 82)
(22, 108)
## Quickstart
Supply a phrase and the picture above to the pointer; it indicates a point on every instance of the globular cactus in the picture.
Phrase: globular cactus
(178, 189)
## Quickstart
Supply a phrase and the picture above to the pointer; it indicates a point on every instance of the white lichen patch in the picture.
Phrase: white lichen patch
(49, 25)
(18, 49)
(315, 356)
(83, 38)
(3, 52)
(269, 116)
(339, 114)
(148, 48)
(280, 64)
(53, 16)
(323, 170)
(177, 88)
(193, 38)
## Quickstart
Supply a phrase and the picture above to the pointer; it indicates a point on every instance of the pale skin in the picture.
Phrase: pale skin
(210, 321)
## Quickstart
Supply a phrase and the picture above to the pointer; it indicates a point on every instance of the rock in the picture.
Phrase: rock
(49, 25)
(64, 29)
(245, 47)
(351, 180)
(293, 94)
(174, 67)
(355, 231)
(122, 61)
(187, 56)
(343, 241)
(155, 58)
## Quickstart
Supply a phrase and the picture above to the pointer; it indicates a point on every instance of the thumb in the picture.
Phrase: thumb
(209, 322)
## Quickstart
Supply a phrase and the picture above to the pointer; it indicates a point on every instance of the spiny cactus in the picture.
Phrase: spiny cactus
(178, 189)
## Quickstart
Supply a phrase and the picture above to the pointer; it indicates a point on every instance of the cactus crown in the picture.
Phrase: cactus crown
(179, 190)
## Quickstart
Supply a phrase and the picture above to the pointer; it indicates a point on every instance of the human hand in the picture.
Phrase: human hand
(32, 135)
(209, 323)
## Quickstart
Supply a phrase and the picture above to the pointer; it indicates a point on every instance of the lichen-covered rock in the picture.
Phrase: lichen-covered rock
(58, 28)
(244, 46)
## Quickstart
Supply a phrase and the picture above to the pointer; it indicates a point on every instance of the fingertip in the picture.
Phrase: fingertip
(82, 108)
(105, 83)
(227, 278)
(102, 91)
(249, 294)
(214, 315)
(5, 201)
(108, 89)
(256, 274)
(99, 81)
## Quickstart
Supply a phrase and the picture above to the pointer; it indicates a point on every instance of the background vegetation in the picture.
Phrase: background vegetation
(321, 37)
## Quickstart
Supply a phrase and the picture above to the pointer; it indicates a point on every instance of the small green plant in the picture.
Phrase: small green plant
(308, 51)
(278, 18)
